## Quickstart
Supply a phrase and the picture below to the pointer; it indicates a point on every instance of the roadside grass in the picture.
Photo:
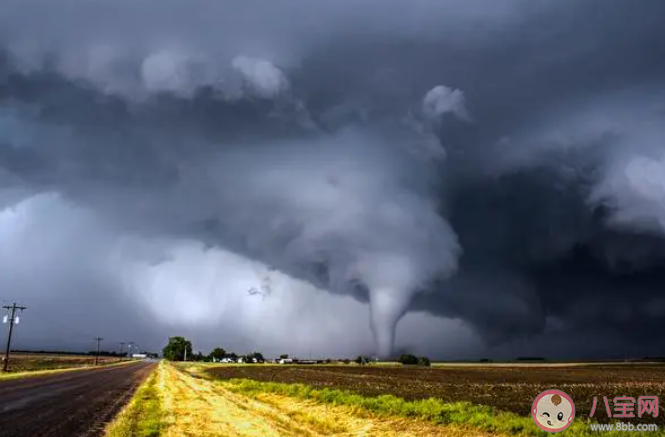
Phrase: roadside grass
(143, 416)
(483, 418)
(30, 373)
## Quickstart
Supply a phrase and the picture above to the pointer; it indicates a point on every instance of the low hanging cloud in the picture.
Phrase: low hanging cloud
(493, 175)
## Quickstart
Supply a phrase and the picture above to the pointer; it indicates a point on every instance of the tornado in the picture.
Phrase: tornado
(386, 309)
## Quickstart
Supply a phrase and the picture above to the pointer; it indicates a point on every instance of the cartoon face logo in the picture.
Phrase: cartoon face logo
(553, 411)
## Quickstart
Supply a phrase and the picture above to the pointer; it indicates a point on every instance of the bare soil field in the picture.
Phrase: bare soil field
(507, 388)
(27, 362)
(70, 404)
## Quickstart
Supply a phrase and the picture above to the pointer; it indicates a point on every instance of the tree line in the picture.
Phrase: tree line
(179, 347)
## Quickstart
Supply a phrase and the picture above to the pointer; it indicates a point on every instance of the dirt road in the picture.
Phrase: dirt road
(69, 404)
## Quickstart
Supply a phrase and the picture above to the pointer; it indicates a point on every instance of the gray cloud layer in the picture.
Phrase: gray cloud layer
(495, 164)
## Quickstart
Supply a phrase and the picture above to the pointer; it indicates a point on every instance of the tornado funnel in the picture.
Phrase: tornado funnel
(386, 308)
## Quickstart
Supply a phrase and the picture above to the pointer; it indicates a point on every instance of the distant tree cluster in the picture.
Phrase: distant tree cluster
(217, 353)
(412, 360)
(175, 351)
(424, 361)
(108, 354)
(362, 359)
(255, 357)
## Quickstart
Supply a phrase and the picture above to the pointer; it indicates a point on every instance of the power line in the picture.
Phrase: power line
(98, 339)
(78, 332)
(129, 349)
(12, 318)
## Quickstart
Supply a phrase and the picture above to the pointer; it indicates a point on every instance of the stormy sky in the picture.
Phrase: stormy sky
(304, 176)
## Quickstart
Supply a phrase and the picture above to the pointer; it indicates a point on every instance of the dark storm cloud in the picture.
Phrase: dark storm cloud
(535, 197)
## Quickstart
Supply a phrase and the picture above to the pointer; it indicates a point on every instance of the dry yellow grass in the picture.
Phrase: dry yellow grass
(197, 407)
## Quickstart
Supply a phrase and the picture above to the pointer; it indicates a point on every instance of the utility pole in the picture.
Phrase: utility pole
(130, 347)
(98, 340)
(185, 353)
(122, 346)
(11, 318)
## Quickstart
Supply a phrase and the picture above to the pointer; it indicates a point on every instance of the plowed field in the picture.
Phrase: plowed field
(507, 388)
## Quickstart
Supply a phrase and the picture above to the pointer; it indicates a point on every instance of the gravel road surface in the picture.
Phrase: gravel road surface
(78, 403)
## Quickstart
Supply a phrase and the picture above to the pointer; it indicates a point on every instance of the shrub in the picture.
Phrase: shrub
(408, 359)
(424, 361)
(361, 359)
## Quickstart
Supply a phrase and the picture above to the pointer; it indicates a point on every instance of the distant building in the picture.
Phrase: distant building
(139, 355)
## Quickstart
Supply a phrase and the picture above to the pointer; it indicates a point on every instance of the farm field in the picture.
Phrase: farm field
(192, 405)
(29, 362)
(506, 388)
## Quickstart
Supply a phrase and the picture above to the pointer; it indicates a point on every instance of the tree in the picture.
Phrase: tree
(258, 356)
(424, 361)
(284, 357)
(362, 359)
(198, 357)
(232, 355)
(408, 359)
(217, 353)
(175, 349)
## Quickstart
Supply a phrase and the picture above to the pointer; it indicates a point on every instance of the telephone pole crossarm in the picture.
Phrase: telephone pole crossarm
(12, 319)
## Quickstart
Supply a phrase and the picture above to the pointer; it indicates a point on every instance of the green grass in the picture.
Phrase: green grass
(482, 417)
(143, 416)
